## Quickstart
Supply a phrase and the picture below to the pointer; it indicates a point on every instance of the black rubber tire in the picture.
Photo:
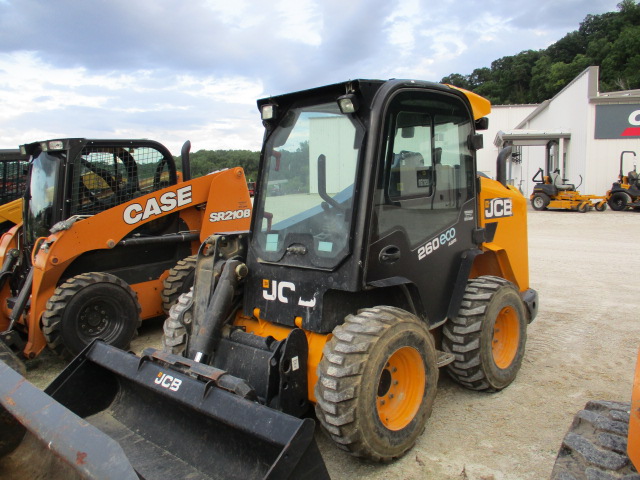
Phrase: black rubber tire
(470, 336)
(179, 281)
(354, 382)
(69, 321)
(177, 326)
(583, 207)
(601, 207)
(540, 201)
(618, 201)
(595, 447)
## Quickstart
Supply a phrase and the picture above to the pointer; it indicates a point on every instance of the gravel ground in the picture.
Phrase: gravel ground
(581, 346)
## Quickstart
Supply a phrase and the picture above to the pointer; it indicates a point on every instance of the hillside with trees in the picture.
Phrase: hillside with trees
(206, 161)
(610, 40)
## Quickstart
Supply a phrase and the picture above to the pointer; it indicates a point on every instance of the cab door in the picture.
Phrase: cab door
(424, 209)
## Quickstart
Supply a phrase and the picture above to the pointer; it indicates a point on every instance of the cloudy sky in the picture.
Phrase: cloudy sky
(172, 70)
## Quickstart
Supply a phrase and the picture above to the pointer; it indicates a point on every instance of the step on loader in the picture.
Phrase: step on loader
(625, 193)
(380, 258)
(552, 191)
(110, 233)
(13, 176)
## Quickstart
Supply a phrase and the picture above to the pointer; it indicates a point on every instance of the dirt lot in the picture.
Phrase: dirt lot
(581, 346)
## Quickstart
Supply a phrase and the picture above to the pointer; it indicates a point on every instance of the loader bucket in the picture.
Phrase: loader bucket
(158, 416)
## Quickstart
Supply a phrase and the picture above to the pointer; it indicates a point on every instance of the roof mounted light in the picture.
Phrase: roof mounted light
(56, 145)
(348, 103)
(268, 112)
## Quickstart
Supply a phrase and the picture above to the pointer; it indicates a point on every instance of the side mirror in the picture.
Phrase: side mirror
(482, 123)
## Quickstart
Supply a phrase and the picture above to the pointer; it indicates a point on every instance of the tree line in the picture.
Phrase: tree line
(610, 40)
(207, 161)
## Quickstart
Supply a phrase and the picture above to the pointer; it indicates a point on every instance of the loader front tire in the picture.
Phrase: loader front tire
(488, 335)
(595, 447)
(177, 326)
(179, 281)
(377, 383)
(90, 306)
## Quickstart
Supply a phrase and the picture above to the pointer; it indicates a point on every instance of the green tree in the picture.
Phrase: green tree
(610, 40)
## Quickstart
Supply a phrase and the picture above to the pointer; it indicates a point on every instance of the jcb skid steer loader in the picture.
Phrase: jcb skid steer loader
(376, 255)
(13, 176)
(106, 222)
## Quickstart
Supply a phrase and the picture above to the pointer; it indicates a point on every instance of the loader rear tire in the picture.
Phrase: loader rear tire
(179, 281)
(177, 326)
(595, 447)
(540, 201)
(90, 306)
(377, 383)
(488, 336)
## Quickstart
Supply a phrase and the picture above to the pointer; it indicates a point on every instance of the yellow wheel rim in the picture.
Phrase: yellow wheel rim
(506, 337)
(401, 388)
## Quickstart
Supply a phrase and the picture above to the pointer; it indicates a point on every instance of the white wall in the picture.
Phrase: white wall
(502, 117)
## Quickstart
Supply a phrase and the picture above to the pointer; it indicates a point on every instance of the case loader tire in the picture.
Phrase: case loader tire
(595, 447)
(618, 201)
(540, 201)
(177, 326)
(488, 336)
(377, 383)
(179, 281)
(90, 306)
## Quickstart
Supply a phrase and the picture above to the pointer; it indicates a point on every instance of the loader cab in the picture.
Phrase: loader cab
(366, 194)
(79, 177)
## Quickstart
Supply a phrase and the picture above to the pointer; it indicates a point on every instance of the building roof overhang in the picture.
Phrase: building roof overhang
(528, 137)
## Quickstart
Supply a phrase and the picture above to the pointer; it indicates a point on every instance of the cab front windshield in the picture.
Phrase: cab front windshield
(39, 208)
(305, 203)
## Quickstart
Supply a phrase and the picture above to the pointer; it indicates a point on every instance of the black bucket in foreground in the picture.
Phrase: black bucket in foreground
(157, 421)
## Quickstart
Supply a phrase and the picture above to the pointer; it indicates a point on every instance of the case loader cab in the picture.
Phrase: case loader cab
(375, 201)
(84, 177)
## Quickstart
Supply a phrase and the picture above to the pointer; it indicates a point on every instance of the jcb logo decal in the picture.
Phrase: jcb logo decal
(167, 381)
(498, 207)
(168, 201)
(273, 290)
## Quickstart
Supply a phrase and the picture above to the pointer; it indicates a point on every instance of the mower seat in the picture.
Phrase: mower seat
(557, 182)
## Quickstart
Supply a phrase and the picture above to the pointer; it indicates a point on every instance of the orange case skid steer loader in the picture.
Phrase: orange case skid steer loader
(106, 222)
(376, 255)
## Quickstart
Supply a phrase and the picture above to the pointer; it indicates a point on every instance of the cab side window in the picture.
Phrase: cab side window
(427, 174)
